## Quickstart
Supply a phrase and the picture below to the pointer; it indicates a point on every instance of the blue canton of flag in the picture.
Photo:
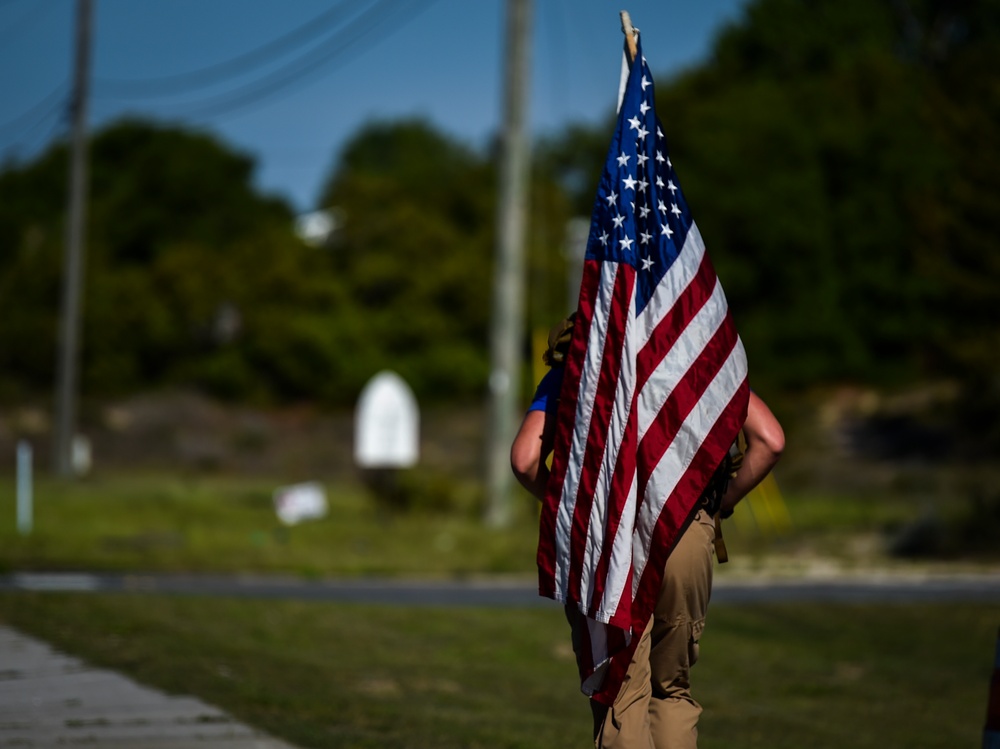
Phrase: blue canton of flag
(640, 216)
(654, 392)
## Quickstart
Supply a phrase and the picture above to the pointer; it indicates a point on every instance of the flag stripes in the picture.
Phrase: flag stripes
(653, 394)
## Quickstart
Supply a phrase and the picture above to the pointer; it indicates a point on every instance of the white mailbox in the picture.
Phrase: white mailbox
(386, 424)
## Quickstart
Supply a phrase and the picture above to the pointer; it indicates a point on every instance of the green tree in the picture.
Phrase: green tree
(188, 270)
(414, 256)
(807, 146)
(957, 46)
(841, 158)
(795, 144)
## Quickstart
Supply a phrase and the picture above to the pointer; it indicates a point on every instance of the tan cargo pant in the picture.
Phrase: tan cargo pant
(655, 709)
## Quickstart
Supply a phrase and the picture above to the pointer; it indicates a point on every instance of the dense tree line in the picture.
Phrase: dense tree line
(842, 158)
(183, 257)
(831, 146)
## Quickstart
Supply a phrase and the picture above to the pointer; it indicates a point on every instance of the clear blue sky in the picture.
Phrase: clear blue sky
(440, 59)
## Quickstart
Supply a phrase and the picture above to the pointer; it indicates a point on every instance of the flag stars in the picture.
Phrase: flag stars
(640, 203)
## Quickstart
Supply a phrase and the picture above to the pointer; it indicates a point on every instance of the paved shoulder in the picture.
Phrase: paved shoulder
(863, 588)
(48, 699)
(855, 588)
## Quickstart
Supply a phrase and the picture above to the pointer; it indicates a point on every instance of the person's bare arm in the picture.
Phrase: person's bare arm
(531, 447)
(765, 443)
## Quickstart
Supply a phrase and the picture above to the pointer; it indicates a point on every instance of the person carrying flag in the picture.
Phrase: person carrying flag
(654, 707)
(647, 393)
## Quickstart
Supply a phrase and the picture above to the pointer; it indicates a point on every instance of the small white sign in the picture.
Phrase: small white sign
(386, 424)
(80, 457)
(299, 502)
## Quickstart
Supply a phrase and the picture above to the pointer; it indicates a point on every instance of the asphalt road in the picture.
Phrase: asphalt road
(486, 592)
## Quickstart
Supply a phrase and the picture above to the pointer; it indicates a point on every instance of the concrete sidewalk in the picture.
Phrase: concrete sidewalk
(48, 699)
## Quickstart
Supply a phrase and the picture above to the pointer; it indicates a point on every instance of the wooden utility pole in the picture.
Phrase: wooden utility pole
(69, 328)
(507, 322)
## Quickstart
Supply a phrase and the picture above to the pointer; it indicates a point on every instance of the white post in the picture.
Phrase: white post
(24, 501)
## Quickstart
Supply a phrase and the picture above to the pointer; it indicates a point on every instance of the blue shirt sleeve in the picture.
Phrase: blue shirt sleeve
(547, 393)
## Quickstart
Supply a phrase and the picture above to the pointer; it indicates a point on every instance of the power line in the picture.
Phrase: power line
(53, 107)
(281, 81)
(47, 136)
(231, 68)
(382, 16)
(55, 99)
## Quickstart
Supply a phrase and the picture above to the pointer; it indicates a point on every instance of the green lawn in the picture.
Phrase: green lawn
(337, 675)
(190, 523)
(220, 524)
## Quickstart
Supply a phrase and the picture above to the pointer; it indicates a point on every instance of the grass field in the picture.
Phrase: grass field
(220, 524)
(336, 675)
(227, 524)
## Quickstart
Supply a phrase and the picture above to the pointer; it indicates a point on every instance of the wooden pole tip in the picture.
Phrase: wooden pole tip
(630, 33)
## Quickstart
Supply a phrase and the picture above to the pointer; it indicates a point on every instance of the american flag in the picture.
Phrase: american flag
(654, 392)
